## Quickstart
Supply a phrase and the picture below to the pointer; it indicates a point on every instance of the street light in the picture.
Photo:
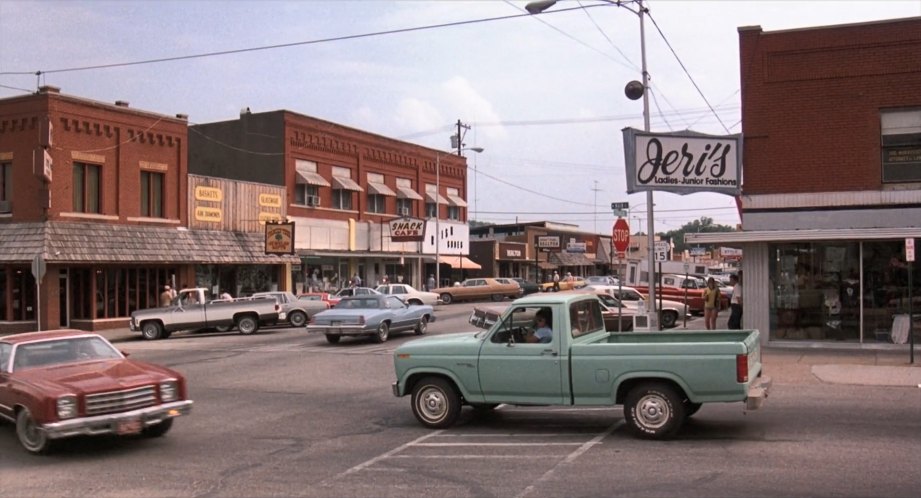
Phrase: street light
(438, 206)
(541, 5)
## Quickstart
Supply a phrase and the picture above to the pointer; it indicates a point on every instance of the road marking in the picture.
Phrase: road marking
(480, 457)
(384, 455)
(448, 445)
(570, 458)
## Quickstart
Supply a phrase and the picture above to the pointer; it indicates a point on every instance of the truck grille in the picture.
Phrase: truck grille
(121, 401)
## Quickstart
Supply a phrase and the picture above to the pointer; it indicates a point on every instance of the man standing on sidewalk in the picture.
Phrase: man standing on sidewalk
(735, 302)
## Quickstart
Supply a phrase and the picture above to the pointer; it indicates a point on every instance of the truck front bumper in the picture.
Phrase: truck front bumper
(117, 423)
(758, 392)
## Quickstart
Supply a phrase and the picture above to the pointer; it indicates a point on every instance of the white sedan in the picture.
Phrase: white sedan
(409, 294)
(672, 311)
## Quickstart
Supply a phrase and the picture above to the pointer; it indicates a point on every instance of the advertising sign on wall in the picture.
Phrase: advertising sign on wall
(683, 162)
(407, 230)
(279, 237)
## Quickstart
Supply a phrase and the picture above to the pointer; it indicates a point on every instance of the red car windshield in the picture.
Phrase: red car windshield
(62, 351)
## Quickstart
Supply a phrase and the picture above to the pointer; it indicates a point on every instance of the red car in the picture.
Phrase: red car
(64, 383)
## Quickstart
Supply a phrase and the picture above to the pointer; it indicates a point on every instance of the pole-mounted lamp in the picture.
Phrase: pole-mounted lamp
(634, 90)
(438, 207)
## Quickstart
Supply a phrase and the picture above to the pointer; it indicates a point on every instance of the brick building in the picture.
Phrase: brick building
(344, 186)
(831, 118)
(99, 194)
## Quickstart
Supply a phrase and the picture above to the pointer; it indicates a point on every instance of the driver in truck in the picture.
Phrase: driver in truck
(542, 331)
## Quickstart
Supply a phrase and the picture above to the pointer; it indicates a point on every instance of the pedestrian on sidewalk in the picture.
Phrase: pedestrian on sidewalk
(711, 304)
(735, 302)
(166, 297)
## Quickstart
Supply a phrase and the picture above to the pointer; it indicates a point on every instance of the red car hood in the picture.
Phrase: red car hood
(95, 376)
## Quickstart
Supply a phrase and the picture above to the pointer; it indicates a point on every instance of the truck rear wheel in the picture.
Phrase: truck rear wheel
(247, 325)
(654, 410)
(435, 403)
(151, 331)
(297, 318)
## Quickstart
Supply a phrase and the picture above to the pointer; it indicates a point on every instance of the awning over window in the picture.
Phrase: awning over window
(456, 201)
(459, 262)
(408, 193)
(430, 198)
(343, 183)
(380, 189)
(305, 176)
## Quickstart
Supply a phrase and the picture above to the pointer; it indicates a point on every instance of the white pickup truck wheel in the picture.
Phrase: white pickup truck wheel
(247, 325)
(654, 410)
(151, 331)
(435, 403)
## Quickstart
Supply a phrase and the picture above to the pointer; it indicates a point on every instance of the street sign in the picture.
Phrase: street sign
(620, 206)
(621, 236)
(661, 250)
(909, 250)
(38, 267)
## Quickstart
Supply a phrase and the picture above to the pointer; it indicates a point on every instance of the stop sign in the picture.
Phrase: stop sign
(621, 235)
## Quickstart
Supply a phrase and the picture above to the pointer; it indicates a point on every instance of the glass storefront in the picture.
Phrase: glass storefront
(837, 291)
(238, 280)
(17, 294)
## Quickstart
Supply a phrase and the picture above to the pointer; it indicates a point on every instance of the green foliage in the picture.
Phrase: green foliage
(702, 225)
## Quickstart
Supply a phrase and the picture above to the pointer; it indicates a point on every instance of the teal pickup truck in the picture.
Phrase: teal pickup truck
(660, 378)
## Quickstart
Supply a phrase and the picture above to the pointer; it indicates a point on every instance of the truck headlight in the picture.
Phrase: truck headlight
(67, 406)
(169, 391)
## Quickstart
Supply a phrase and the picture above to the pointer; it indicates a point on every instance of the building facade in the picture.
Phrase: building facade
(94, 201)
(831, 118)
(344, 186)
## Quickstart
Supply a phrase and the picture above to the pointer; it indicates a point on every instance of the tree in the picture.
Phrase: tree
(702, 225)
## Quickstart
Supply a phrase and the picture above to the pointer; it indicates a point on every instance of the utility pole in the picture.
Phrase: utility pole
(595, 189)
(458, 140)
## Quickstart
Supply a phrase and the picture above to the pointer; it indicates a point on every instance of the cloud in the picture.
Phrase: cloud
(413, 115)
(472, 107)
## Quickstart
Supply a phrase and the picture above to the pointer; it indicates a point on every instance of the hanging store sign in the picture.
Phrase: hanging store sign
(683, 162)
(209, 194)
(548, 242)
(279, 237)
(208, 214)
(407, 230)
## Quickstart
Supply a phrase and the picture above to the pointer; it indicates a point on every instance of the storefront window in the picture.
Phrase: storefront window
(885, 288)
(815, 291)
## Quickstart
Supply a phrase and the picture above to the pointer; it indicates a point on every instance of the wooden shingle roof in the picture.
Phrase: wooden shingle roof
(86, 242)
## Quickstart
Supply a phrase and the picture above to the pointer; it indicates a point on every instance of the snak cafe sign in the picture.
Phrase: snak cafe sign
(683, 162)
(407, 230)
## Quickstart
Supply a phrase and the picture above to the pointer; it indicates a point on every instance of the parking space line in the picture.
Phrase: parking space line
(385, 455)
(449, 445)
(481, 457)
(570, 458)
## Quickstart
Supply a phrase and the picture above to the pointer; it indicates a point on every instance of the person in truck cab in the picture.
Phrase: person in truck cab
(542, 331)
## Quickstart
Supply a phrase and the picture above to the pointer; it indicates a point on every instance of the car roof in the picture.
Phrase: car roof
(44, 335)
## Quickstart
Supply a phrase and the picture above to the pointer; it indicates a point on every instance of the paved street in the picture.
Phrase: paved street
(283, 413)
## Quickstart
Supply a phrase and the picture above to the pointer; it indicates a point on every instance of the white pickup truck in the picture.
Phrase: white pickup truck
(191, 310)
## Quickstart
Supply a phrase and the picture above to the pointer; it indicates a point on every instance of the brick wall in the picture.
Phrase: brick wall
(811, 102)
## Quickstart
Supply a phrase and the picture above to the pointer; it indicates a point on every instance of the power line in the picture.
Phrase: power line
(605, 35)
(282, 45)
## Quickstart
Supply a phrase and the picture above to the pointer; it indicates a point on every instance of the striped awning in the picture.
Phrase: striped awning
(343, 183)
(430, 198)
(408, 193)
(380, 189)
(456, 201)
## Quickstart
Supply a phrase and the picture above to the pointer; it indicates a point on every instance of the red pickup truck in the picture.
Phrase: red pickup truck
(63, 383)
(686, 290)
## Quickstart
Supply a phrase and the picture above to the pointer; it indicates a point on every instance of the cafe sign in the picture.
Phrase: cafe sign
(683, 162)
(407, 230)
(279, 237)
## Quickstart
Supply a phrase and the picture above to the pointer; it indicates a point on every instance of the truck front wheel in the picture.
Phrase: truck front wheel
(247, 325)
(435, 403)
(151, 331)
(654, 410)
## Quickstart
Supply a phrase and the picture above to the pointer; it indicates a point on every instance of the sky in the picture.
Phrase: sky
(543, 94)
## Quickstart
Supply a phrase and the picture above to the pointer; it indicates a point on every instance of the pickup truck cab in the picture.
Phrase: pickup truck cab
(191, 310)
(660, 378)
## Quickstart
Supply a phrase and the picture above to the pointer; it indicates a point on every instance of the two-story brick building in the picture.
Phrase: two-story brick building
(831, 118)
(343, 187)
(98, 196)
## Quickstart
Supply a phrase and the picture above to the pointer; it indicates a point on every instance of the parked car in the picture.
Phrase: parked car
(355, 291)
(510, 281)
(191, 311)
(672, 311)
(297, 311)
(477, 288)
(601, 280)
(409, 294)
(62, 383)
(324, 297)
(372, 315)
(527, 286)
(565, 285)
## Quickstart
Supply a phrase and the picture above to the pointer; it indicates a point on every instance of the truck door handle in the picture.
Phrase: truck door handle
(548, 351)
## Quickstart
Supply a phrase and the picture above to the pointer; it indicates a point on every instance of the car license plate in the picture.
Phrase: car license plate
(132, 426)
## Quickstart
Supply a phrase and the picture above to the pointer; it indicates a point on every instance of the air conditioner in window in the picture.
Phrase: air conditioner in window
(6, 207)
(313, 200)
(640, 322)
(404, 211)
